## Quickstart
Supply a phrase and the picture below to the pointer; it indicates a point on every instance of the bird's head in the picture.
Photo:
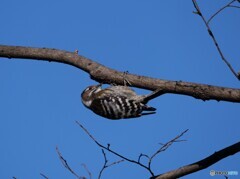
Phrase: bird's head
(88, 94)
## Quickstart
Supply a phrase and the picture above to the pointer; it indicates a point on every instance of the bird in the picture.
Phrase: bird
(117, 102)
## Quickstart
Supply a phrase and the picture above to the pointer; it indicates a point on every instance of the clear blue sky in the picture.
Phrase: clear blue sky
(40, 101)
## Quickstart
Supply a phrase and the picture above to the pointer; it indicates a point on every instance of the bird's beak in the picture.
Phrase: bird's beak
(98, 87)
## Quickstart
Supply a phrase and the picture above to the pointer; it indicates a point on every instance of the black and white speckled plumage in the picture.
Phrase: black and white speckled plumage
(116, 102)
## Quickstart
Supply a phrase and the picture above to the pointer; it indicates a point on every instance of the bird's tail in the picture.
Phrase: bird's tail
(148, 108)
(147, 113)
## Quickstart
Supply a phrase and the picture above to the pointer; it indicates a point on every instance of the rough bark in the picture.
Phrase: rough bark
(104, 74)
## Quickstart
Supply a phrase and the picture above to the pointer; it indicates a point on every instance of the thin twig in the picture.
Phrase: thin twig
(113, 152)
(166, 146)
(214, 39)
(105, 165)
(138, 162)
(116, 162)
(106, 161)
(44, 176)
(65, 164)
(234, 6)
(142, 155)
(221, 9)
(89, 173)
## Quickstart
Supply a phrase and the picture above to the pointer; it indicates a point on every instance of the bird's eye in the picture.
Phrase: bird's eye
(90, 88)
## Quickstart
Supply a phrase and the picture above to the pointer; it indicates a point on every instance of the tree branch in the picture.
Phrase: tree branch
(166, 146)
(115, 153)
(237, 75)
(137, 162)
(106, 165)
(44, 176)
(65, 164)
(103, 74)
(202, 164)
(88, 172)
(221, 9)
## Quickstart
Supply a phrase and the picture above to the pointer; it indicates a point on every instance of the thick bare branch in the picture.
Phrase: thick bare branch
(103, 74)
(202, 164)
